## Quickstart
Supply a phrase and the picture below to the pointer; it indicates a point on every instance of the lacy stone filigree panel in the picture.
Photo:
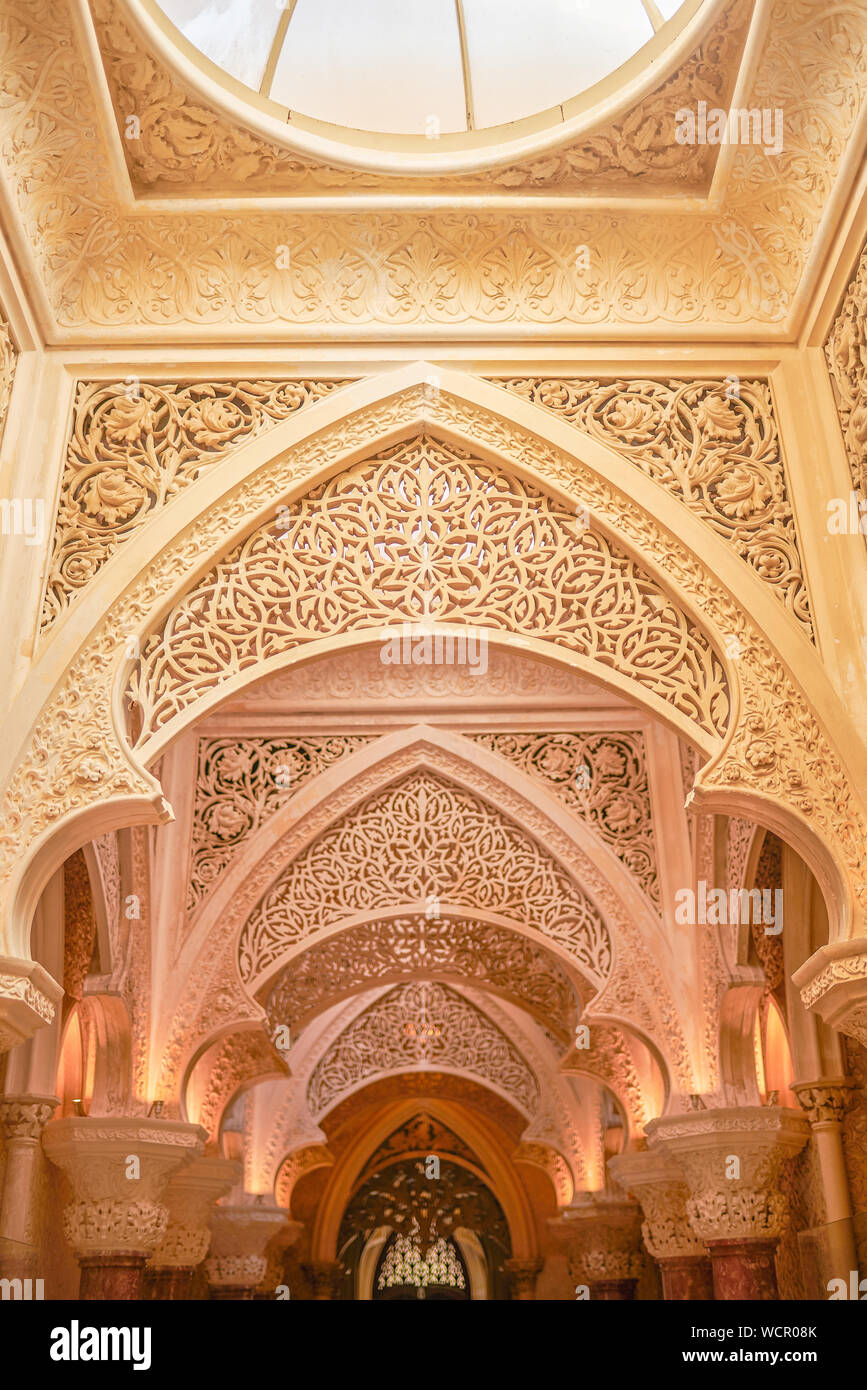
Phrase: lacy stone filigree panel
(423, 840)
(603, 779)
(499, 959)
(422, 533)
(134, 446)
(714, 444)
(420, 1024)
(846, 352)
(240, 784)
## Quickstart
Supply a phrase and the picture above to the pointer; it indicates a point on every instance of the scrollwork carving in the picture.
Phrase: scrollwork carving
(134, 446)
(420, 1024)
(240, 784)
(603, 779)
(498, 958)
(846, 353)
(456, 541)
(715, 447)
(419, 840)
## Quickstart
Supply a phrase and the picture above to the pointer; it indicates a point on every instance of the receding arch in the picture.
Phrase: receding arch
(503, 1179)
(83, 665)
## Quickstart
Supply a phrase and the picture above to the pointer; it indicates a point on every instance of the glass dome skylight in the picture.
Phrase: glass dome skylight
(419, 67)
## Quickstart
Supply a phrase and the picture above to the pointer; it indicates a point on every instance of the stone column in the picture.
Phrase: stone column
(324, 1276)
(118, 1169)
(657, 1183)
(22, 1120)
(602, 1238)
(522, 1278)
(824, 1103)
(189, 1199)
(237, 1262)
(731, 1160)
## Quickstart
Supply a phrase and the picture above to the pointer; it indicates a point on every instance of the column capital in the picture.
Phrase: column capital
(25, 1117)
(833, 981)
(659, 1185)
(239, 1235)
(602, 1239)
(733, 1201)
(117, 1207)
(29, 997)
(825, 1100)
(190, 1199)
(522, 1276)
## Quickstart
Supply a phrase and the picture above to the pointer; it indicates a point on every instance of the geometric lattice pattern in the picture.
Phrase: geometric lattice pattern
(425, 533)
(419, 840)
(420, 1024)
(361, 956)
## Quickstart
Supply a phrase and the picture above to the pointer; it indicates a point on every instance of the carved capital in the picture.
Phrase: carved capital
(522, 1277)
(239, 1237)
(731, 1160)
(324, 1276)
(659, 1186)
(118, 1170)
(834, 983)
(190, 1198)
(602, 1239)
(28, 1000)
(25, 1117)
(824, 1101)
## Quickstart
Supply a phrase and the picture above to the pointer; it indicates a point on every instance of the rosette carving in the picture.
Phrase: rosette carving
(134, 447)
(714, 444)
(240, 784)
(603, 779)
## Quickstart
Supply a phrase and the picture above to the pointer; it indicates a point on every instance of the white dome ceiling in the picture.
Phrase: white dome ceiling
(419, 67)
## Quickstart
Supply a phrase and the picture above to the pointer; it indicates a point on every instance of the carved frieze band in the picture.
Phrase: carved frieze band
(740, 265)
(134, 446)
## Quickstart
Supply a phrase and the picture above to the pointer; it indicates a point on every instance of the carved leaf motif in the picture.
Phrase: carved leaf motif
(425, 533)
(420, 1024)
(419, 839)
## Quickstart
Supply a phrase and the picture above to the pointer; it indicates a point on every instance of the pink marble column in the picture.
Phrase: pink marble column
(731, 1160)
(659, 1186)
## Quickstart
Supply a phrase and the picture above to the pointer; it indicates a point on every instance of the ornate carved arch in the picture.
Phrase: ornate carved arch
(471, 1128)
(637, 991)
(72, 774)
